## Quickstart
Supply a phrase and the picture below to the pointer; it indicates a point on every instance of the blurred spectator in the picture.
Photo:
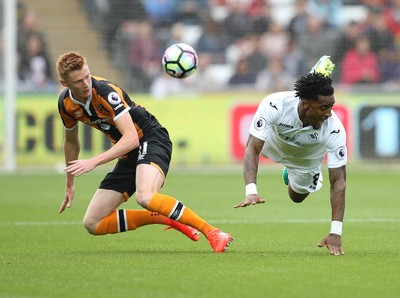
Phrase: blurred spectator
(345, 41)
(210, 41)
(390, 68)
(93, 9)
(274, 41)
(191, 12)
(237, 24)
(328, 11)
(392, 19)
(298, 23)
(144, 57)
(360, 65)
(29, 26)
(176, 34)
(376, 4)
(293, 61)
(120, 16)
(380, 36)
(316, 42)
(161, 13)
(257, 58)
(274, 77)
(34, 67)
(255, 7)
(382, 43)
(261, 18)
(242, 47)
(242, 75)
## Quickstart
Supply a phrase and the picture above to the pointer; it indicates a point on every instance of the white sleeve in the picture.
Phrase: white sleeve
(336, 147)
(264, 118)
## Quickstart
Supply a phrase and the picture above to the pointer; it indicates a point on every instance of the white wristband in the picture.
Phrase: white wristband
(336, 227)
(251, 189)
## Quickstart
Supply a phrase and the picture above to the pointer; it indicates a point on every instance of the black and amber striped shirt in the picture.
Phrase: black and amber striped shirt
(107, 103)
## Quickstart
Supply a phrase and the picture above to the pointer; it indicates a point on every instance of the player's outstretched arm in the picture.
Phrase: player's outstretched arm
(337, 179)
(250, 169)
(71, 152)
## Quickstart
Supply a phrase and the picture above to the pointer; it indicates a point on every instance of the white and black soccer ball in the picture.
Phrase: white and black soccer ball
(180, 60)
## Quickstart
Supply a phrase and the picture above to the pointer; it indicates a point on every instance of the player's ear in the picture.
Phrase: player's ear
(305, 104)
(63, 83)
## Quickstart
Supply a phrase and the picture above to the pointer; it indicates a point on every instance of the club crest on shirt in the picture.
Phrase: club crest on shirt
(340, 152)
(260, 123)
(113, 98)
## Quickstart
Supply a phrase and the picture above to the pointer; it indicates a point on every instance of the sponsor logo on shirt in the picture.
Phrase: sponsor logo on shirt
(285, 125)
(99, 121)
(118, 106)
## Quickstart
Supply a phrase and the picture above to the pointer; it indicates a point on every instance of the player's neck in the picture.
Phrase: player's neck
(302, 116)
(80, 99)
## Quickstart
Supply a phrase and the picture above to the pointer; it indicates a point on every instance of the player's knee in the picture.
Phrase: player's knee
(90, 225)
(296, 197)
(143, 198)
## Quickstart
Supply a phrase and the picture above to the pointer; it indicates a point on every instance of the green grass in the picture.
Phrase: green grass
(274, 254)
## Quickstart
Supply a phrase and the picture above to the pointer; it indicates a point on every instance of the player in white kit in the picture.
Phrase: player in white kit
(297, 129)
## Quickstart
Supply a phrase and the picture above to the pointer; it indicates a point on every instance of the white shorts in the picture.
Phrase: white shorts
(303, 183)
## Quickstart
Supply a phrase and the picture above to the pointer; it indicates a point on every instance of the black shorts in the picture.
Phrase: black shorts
(155, 149)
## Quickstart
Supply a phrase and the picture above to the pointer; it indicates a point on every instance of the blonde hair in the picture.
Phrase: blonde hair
(69, 62)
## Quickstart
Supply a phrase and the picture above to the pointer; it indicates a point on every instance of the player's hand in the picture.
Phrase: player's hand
(68, 198)
(333, 243)
(250, 200)
(80, 167)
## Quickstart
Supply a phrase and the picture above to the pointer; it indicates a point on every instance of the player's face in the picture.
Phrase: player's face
(316, 112)
(79, 81)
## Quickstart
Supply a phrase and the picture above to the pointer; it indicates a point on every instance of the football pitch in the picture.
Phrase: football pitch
(274, 252)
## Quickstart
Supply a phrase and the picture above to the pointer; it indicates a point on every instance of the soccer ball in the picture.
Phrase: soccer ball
(180, 60)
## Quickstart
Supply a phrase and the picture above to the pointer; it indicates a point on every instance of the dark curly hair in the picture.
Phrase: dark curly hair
(312, 85)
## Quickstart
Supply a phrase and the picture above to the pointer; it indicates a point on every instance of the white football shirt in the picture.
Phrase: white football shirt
(277, 123)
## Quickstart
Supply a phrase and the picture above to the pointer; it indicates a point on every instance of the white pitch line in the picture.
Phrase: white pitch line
(320, 220)
(219, 221)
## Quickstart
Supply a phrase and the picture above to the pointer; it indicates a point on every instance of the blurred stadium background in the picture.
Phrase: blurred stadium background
(246, 48)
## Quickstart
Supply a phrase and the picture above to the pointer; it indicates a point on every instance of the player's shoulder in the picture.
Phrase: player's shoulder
(334, 126)
(62, 96)
(281, 97)
(280, 100)
(100, 83)
(334, 120)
